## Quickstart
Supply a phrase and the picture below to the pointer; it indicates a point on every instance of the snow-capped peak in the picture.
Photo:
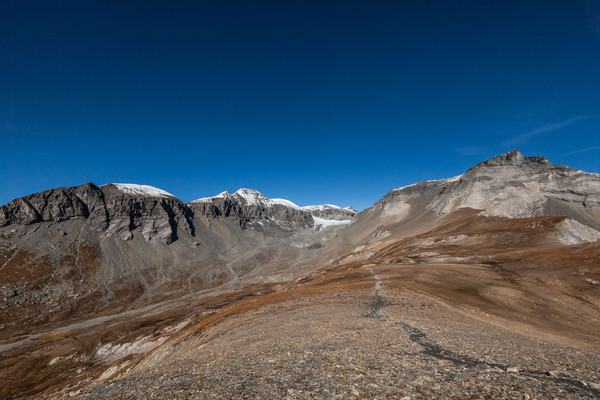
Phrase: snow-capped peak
(251, 197)
(140, 190)
(254, 197)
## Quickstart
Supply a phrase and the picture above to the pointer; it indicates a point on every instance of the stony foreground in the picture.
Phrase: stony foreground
(357, 334)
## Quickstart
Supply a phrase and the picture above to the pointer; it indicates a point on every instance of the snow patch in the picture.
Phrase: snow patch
(141, 190)
(222, 195)
(284, 202)
(445, 180)
(322, 223)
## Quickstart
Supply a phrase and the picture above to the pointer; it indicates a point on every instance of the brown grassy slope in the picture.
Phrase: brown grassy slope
(507, 269)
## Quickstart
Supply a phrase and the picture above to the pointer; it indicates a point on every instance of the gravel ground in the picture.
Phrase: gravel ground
(369, 341)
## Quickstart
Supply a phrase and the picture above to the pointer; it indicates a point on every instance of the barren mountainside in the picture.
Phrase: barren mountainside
(484, 285)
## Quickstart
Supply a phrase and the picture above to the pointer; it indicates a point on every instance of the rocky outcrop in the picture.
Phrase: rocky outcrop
(20, 212)
(109, 210)
(51, 205)
(513, 157)
(515, 186)
(157, 218)
(93, 197)
(509, 185)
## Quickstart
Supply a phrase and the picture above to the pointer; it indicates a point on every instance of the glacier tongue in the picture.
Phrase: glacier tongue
(322, 223)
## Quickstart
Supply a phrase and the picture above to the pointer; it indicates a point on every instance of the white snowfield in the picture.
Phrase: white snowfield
(141, 190)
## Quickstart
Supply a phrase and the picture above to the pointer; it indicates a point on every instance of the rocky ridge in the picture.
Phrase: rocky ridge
(509, 185)
(121, 210)
(514, 186)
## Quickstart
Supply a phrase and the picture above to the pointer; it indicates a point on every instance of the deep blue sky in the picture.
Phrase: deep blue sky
(313, 101)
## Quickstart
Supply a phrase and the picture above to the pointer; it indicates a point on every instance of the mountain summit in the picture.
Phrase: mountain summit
(509, 185)
(124, 209)
(513, 157)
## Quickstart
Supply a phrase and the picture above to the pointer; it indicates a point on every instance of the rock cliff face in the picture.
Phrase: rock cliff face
(157, 218)
(109, 210)
(51, 205)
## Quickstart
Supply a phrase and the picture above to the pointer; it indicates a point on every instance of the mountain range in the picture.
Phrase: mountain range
(99, 284)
